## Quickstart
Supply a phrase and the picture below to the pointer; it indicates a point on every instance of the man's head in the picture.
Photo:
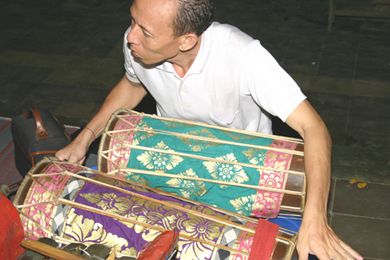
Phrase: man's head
(193, 16)
(162, 29)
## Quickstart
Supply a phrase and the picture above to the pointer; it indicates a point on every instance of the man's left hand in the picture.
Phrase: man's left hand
(317, 238)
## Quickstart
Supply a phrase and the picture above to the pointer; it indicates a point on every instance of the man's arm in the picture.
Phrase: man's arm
(125, 94)
(315, 235)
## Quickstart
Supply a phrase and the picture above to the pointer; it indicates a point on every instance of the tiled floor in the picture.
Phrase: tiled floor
(65, 55)
(362, 217)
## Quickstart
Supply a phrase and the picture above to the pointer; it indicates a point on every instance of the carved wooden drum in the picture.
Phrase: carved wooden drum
(238, 171)
(71, 203)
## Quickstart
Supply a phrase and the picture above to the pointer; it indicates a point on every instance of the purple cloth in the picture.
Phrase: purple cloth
(125, 205)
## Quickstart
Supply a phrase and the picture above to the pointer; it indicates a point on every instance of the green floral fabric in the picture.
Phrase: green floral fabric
(232, 198)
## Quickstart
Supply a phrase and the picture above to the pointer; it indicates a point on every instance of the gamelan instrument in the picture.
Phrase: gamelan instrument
(71, 203)
(245, 172)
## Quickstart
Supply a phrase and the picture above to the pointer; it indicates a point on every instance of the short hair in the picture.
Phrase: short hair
(193, 16)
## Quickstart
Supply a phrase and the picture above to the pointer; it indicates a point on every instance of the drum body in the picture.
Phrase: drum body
(239, 171)
(71, 203)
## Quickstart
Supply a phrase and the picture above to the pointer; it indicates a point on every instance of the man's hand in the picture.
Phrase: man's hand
(76, 150)
(317, 238)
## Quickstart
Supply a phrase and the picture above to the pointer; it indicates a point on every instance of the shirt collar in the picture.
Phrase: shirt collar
(200, 59)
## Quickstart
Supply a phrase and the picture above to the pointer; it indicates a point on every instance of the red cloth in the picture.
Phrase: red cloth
(11, 230)
(264, 241)
(161, 247)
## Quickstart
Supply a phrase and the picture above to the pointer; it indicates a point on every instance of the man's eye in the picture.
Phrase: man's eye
(146, 34)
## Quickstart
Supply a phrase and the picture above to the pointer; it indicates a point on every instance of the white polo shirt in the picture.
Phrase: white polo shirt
(233, 82)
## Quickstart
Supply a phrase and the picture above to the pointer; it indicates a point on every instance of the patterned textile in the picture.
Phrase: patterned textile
(129, 238)
(42, 194)
(188, 151)
(132, 221)
(69, 193)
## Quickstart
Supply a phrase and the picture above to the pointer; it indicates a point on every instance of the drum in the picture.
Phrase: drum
(74, 204)
(238, 171)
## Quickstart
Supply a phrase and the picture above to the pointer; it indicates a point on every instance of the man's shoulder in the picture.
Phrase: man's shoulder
(228, 35)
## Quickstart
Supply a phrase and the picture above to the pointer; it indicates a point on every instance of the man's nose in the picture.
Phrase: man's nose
(132, 35)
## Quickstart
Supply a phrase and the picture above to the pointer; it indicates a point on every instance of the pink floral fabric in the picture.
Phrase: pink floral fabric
(42, 193)
(120, 153)
(268, 203)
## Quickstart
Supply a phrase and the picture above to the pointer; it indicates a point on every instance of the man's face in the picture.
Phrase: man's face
(151, 39)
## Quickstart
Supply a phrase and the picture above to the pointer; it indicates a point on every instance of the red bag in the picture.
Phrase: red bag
(11, 230)
(264, 241)
(161, 247)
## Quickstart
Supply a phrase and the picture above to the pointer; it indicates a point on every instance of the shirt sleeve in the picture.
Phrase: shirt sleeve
(130, 72)
(268, 83)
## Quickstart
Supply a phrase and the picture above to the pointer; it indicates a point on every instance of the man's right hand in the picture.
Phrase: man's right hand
(75, 151)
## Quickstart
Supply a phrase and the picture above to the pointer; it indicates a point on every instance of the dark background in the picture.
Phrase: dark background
(65, 56)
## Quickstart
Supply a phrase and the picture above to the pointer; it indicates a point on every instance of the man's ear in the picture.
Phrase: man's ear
(188, 41)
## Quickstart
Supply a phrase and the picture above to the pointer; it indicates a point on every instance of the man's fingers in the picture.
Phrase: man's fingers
(352, 252)
(60, 156)
(342, 250)
(325, 244)
(322, 254)
(340, 253)
(73, 159)
(81, 161)
(335, 249)
(303, 254)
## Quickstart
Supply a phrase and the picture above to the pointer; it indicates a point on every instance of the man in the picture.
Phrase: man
(214, 73)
